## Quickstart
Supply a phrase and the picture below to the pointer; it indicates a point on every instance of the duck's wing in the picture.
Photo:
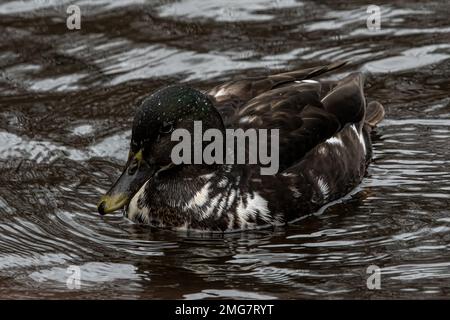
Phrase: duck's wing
(230, 96)
(346, 100)
(303, 119)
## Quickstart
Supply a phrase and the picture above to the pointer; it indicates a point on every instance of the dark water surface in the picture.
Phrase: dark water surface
(66, 105)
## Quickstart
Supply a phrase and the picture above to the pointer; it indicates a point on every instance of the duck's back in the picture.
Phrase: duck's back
(324, 145)
(307, 112)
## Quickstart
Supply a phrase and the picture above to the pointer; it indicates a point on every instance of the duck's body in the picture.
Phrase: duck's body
(324, 151)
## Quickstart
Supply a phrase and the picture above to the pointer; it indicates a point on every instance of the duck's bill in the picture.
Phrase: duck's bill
(124, 189)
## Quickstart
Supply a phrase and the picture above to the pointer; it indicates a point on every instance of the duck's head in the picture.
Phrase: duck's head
(174, 107)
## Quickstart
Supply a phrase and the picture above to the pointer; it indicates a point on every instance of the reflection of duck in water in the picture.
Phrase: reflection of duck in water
(324, 150)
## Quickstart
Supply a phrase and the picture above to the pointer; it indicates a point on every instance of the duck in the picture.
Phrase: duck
(324, 146)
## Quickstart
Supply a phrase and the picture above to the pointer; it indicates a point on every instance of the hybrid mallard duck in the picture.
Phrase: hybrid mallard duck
(324, 151)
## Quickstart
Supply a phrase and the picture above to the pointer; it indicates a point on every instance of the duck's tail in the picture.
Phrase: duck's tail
(374, 114)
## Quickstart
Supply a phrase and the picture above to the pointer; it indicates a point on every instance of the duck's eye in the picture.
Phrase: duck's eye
(167, 127)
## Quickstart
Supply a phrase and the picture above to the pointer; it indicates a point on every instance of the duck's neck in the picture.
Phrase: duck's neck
(173, 198)
(188, 182)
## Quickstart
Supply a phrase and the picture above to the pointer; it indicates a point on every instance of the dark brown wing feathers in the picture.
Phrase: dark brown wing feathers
(295, 107)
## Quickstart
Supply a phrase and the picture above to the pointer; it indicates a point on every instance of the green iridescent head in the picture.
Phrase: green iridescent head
(168, 109)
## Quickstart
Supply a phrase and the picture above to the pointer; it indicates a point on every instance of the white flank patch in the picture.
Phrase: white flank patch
(211, 206)
(221, 92)
(288, 174)
(231, 198)
(230, 221)
(307, 81)
(200, 198)
(323, 186)
(360, 137)
(335, 141)
(322, 149)
(207, 176)
(133, 210)
(247, 119)
(255, 205)
(223, 183)
(221, 207)
(353, 127)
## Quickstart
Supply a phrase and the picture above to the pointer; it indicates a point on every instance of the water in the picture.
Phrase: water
(66, 106)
